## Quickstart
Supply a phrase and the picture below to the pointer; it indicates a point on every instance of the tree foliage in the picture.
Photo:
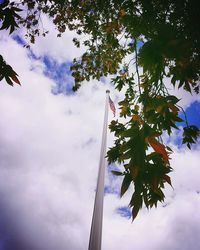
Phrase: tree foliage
(141, 44)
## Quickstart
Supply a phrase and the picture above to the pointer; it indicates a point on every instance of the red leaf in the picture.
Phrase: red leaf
(167, 179)
(158, 147)
(15, 79)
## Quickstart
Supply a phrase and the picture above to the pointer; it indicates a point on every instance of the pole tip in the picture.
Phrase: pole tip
(107, 91)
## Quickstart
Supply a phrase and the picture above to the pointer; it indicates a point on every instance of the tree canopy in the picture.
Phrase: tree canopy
(141, 44)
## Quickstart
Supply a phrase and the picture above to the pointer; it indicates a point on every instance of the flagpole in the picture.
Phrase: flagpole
(96, 227)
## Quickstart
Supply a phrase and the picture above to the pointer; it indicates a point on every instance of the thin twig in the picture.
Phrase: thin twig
(186, 120)
(136, 60)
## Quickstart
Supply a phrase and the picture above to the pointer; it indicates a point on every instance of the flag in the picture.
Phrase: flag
(112, 106)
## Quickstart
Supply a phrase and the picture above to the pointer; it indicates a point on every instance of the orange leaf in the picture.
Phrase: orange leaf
(158, 97)
(136, 118)
(122, 13)
(159, 109)
(158, 147)
(15, 79)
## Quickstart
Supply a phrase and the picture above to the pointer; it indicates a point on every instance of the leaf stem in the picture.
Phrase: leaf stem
(186, 120)
(136, 64)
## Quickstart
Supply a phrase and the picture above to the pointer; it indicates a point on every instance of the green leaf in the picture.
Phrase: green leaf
(117, 173)
(136, 203)
(178, 119)
(169, 149)
(172, 98)
(128, 133)
(113, 153)
(125, 184)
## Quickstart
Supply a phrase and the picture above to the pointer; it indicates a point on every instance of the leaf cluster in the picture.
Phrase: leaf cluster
(145, 160)
(190, 135)
(9, 15)
(7, 72)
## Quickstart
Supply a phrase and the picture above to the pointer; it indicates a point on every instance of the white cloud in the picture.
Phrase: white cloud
(49, 157)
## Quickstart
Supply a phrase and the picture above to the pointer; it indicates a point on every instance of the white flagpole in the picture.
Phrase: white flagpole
(96, 227)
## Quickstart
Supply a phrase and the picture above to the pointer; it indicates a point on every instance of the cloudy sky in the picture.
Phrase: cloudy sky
(49, 152)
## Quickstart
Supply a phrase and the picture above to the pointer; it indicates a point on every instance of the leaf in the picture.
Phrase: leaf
(167, 179)
(76, 42)
(128, 133)
(122, 13)
(187, 87)
(173, 108)
(124, 110)
(158, 147)
(136, 203)
(178, 119)
(190, 135)
(169, 149)
(127, 155)
(136, 118)
(135, 211)
(113, 153)
(117, 173)
(125, 184)
(15, 79)
(172, 98)
(159, 109)
(155, 184)
(134, 171)
(8, 81)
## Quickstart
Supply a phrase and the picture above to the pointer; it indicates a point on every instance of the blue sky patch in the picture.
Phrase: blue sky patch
(193, 117)
(60, 73)
(2, 1)
(111, 187)
(124, 212)
(193, 114)
(19, 40)
(108, 189)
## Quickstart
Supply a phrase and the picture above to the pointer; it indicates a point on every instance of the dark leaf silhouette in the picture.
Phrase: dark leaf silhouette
(125, 184)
